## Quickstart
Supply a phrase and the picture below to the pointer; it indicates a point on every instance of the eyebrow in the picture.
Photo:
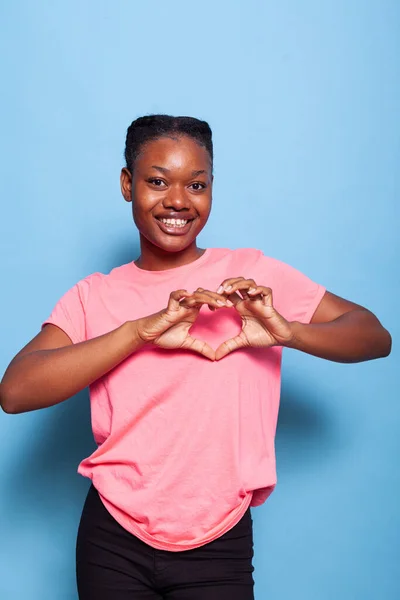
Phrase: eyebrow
(164, 170)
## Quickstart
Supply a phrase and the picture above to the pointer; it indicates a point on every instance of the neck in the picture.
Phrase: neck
(153, 258)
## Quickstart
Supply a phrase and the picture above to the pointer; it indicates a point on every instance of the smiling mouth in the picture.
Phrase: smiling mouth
(175, 222)
(174, 226)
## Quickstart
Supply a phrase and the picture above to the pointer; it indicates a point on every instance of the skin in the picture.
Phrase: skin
(172, 177)
(181, 187)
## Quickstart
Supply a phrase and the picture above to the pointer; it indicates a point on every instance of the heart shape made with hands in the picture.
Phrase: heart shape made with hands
(248, 319)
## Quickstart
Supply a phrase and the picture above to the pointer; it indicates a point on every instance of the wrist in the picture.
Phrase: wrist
(145, 329)
(297, 330)
(132, 331)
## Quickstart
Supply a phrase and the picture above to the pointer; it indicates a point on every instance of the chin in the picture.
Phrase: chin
(175, 245)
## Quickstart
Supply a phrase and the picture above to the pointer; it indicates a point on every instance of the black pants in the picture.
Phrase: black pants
(112, 564)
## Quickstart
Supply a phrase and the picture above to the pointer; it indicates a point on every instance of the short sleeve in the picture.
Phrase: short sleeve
(296, 297)
(69, 313)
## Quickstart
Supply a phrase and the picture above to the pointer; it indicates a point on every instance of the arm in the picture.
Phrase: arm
(341, 331)
(51, 369)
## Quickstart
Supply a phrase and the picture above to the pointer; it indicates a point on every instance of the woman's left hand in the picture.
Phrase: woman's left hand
(262, 325)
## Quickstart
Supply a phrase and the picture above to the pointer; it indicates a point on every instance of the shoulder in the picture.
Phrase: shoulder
(252, 263)
(95, 282)
(238, 256)
(249, 258)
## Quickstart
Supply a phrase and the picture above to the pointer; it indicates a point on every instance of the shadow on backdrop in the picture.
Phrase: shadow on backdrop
(43, 487)
(307, 431)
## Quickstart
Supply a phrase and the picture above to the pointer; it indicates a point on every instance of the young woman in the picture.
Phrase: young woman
(182, 352)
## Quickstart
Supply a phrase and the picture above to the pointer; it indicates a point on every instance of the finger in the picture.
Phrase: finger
(267, 297)
(206, 297)
(200, 347)
(235, 299)
(175, 297)
(221, 302)
(226, 285)
(214, 295)
(262, 292)
(229, 346)
(241, 285)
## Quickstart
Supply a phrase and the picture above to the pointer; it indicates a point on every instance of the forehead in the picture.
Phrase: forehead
(174, 153)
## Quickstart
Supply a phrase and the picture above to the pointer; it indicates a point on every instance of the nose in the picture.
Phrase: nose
(177, 199)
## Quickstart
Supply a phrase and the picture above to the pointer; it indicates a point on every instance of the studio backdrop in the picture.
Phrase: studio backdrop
(303, 99)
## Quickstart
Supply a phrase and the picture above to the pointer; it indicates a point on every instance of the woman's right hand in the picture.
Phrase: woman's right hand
(170, 327)
(50, 368)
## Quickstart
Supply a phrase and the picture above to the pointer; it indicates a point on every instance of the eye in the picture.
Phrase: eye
(157, 182)
(197, 186)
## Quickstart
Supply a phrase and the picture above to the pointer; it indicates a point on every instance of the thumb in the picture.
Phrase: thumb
(200, 347)
(175, 297)
(229, 346)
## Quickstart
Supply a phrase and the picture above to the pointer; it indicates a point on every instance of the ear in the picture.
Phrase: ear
(126, 184)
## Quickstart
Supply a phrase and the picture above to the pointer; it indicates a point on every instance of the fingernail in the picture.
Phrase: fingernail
(220, 289)
(252, 290)
(228, 288)
(220, 303)
(229, 303)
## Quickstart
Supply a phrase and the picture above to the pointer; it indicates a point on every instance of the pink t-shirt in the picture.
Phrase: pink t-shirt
(185, 444)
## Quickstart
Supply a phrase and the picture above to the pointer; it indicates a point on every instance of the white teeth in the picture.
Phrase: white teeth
(174, 222)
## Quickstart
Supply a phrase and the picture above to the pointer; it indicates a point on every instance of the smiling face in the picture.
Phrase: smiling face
(171, 191)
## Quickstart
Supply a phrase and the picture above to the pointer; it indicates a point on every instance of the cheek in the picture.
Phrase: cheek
(143, 202)
(203, 205)
(206, 207)
(137, 214)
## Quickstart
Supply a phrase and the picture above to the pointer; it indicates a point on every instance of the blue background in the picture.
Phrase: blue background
(303, 98)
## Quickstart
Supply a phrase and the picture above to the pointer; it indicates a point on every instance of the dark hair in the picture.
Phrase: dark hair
(153, 127)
